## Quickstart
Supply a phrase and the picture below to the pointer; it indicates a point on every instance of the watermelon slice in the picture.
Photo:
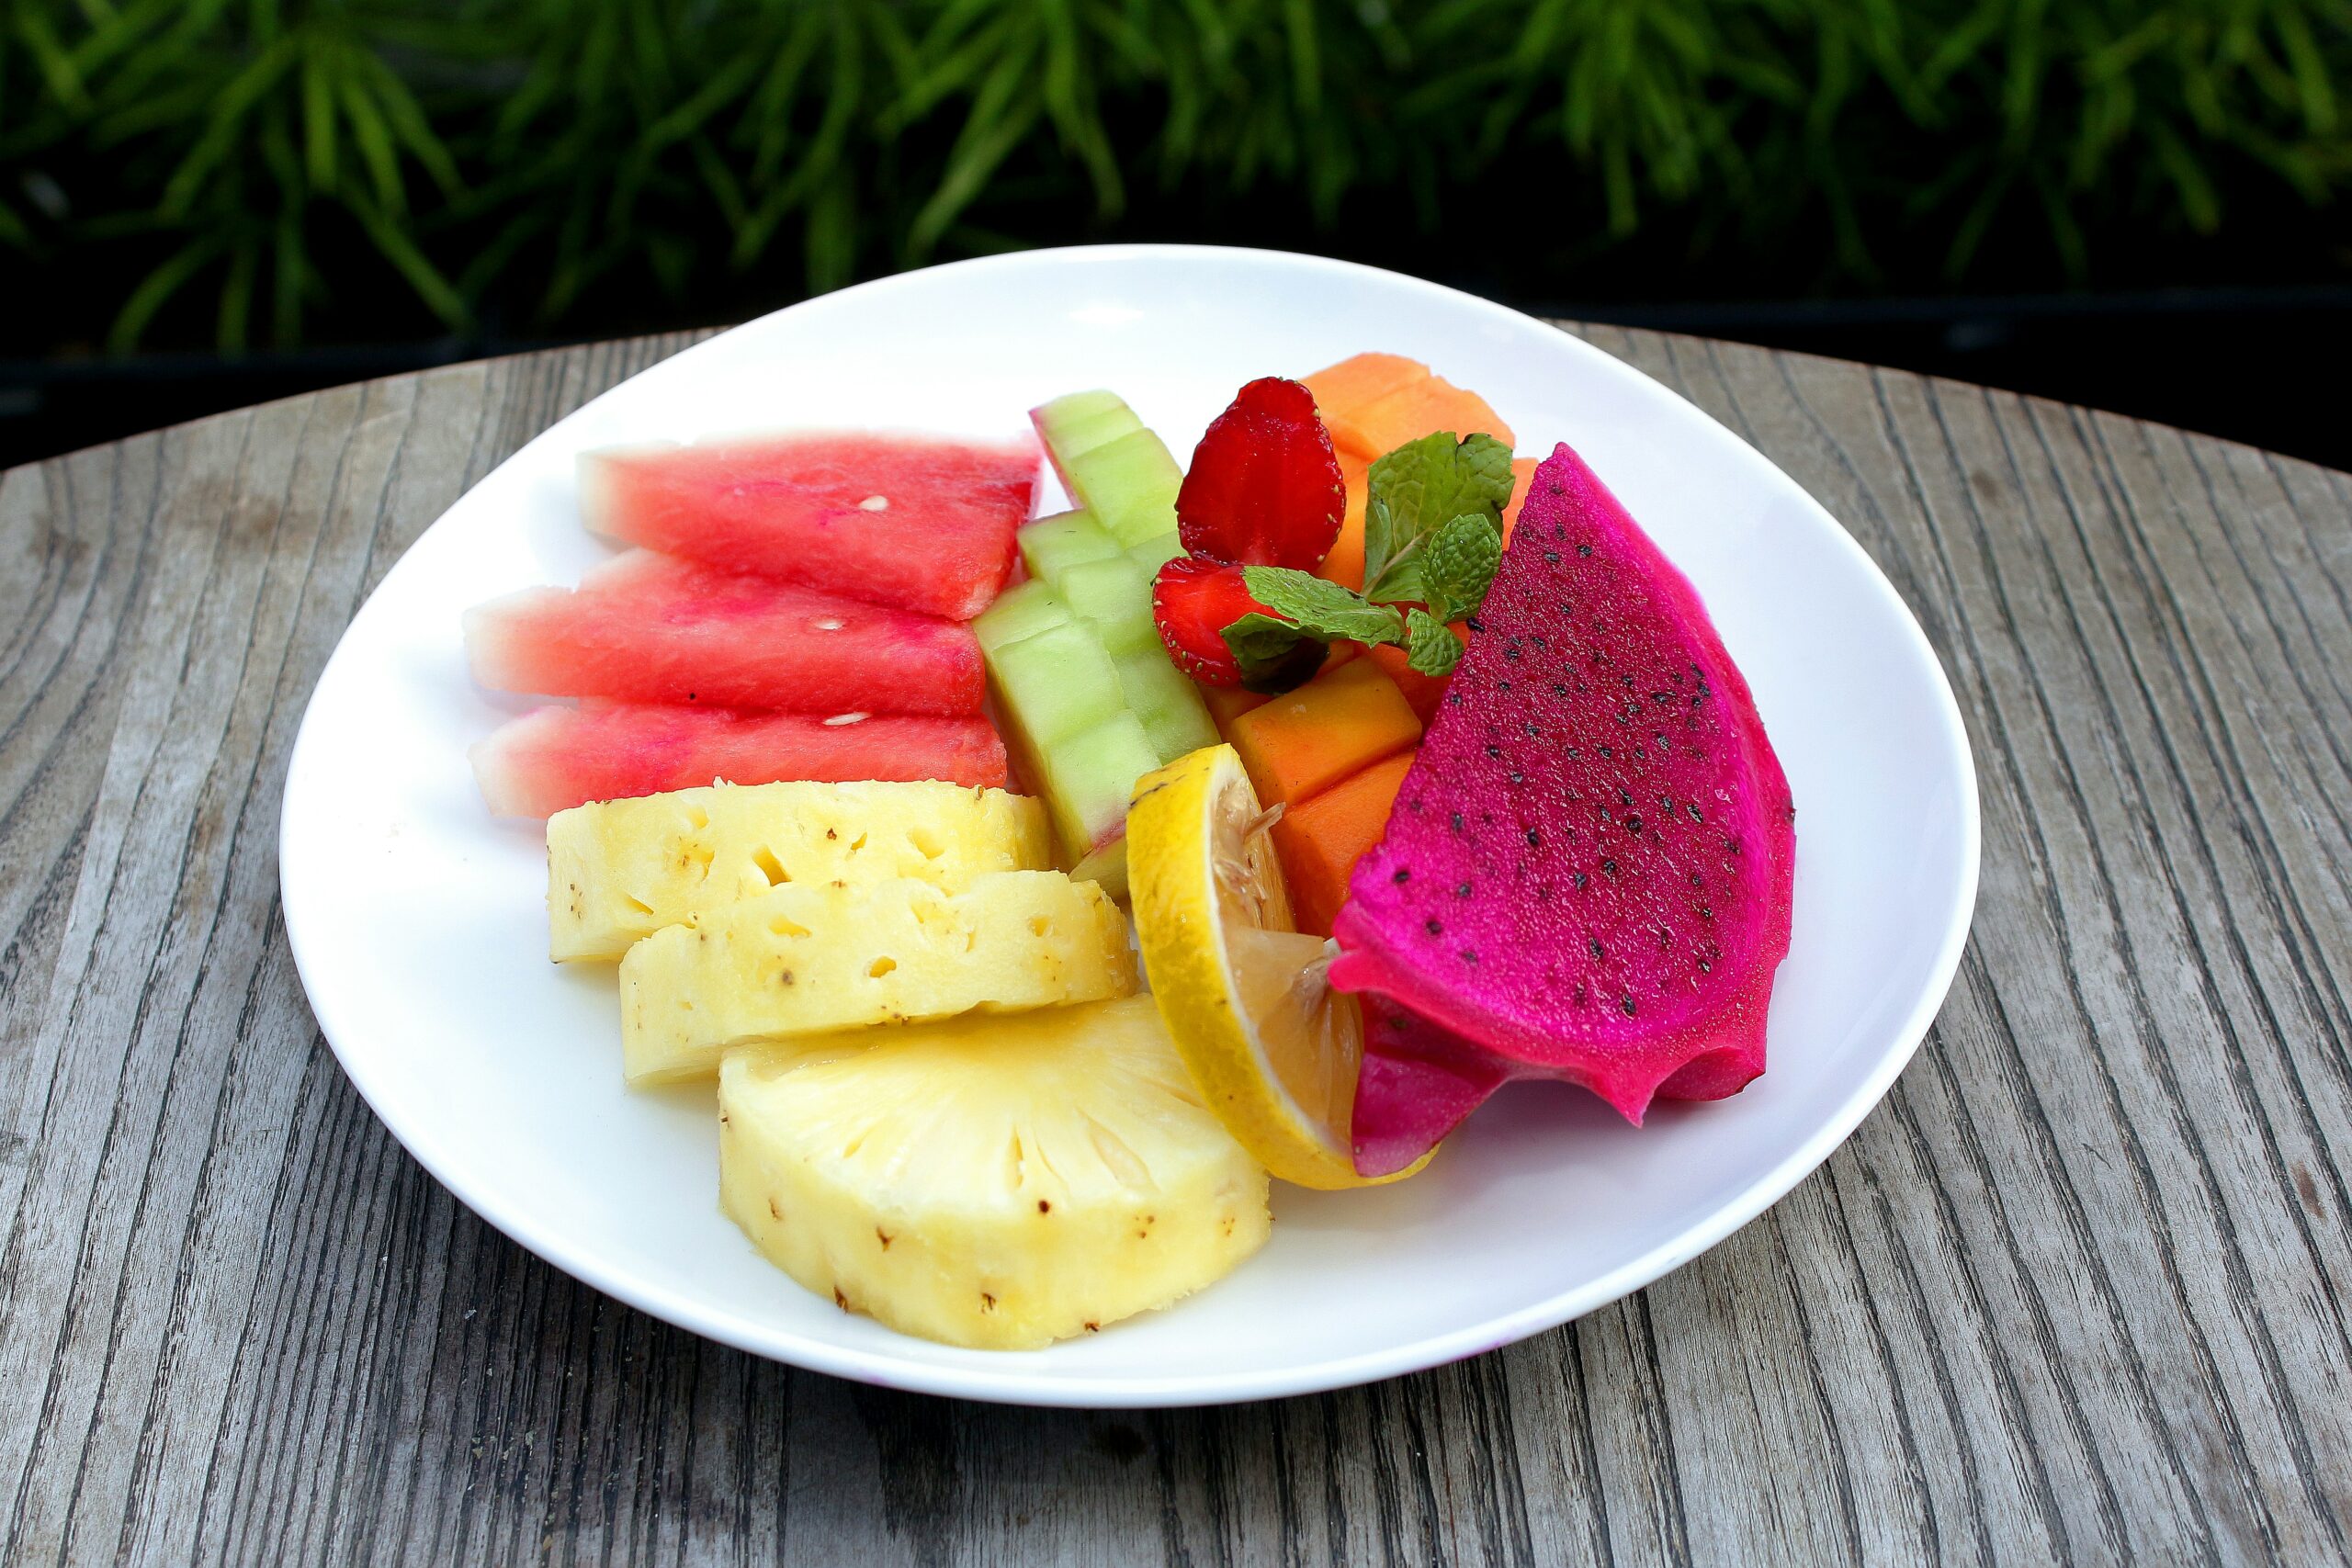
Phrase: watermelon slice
(557, 758)
(911, 521)
(652, 628)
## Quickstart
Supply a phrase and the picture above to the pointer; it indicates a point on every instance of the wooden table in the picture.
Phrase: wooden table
(2078, 1290)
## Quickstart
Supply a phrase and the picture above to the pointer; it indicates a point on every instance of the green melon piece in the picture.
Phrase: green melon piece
(1155, 552)
(1167, 702)
(1052, 546)
(1129, 484)
(1079, 422)
(1090, 775)
(1020, 611)
(1057, 682)
(1113, 589)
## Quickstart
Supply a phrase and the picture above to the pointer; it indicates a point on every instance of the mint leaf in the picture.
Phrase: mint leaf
(1430, 646)
(1458, 564)
(1417, 487)
(1320, 608)
(1274, 654)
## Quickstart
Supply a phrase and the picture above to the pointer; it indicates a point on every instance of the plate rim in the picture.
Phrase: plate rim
(1016, 1384)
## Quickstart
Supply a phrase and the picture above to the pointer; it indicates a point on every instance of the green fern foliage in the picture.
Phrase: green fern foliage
(258, 161)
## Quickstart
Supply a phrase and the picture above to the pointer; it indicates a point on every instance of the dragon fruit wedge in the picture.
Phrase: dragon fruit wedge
(1586, 874)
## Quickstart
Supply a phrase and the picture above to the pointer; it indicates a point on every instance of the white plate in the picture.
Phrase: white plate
(419, 926)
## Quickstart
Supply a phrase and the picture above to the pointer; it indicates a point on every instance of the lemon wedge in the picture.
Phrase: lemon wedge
(1273, 1048)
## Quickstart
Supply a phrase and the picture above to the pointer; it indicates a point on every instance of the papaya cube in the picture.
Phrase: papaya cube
(1230, 703)
(1422, 693)
(1361, 378)
(1343, 564)
(1339, 723)
(1410, 412)
(1522, 474)
(1319, 841)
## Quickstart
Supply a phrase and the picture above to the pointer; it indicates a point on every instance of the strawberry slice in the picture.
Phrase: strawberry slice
(1264, 488)
(1194, 601)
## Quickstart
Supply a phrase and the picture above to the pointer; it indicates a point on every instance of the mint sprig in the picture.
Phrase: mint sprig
(1413, 492)
(1432, 541)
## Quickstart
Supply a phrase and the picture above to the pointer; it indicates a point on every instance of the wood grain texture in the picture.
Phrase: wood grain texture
(2077, 1290)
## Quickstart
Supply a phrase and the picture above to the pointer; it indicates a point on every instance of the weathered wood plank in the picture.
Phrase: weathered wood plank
(2079, 1290)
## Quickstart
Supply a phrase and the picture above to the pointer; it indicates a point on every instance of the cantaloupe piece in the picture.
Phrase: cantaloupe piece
(1361, 378)
(1344, 562)
(1337, 724)
(1230, 703)
(1522, 474)
(1421, 693)
(1410, 412)
(1319, 841)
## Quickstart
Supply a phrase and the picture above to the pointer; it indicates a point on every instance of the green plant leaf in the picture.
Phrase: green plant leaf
(1430, 646)
(1325, 608)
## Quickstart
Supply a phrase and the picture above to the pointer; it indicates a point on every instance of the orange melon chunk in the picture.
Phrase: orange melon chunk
(1344, 563)
(1319, 841)
(1339, 723)
(1522, 474)
(1421, 693)
(1361, 378)
(1230, 703)
(1410, 412)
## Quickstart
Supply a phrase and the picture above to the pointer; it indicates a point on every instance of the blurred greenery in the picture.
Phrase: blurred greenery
(248, 171)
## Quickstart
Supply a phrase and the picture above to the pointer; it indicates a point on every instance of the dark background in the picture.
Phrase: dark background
(2135, 206)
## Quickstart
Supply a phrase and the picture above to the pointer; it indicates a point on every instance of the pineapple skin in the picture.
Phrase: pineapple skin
(620, 870)
(879, 1179)
(806, 957)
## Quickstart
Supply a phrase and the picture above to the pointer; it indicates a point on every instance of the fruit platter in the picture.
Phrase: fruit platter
(1128, 827)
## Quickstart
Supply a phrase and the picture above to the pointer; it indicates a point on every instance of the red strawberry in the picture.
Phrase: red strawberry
(1264, 488)
(1194, 601)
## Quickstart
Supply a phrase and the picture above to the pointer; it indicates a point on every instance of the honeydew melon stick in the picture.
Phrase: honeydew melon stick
(1156, 552)
(1129, 484)
(1019, 611)
(1057, 682)
(1125, 478)
(1169, 706)
(1052, 546)
(1089, 779)
(1080, 422)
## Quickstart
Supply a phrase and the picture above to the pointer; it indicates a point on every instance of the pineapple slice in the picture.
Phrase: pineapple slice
(989, 1181)
(806, 956)
(620, 870)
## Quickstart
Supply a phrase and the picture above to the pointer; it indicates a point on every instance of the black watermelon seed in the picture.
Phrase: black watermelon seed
(1494, 751)
(1633, 824)
(1608, 868)
(1627, 1003)
(1584, 549)
(1534, 840)
(1463, 891)
(1597, 950)
(1457, 821)
(1579, 881)
(1404, 874)
(1432, 927)
(1552, 558)
(1468, 956)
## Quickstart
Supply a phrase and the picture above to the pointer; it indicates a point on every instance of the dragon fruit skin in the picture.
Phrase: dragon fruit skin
(1588, 872)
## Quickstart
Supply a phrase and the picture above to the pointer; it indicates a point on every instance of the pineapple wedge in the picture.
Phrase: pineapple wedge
(1000, 1182)
(808, 956)
(620, 870)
